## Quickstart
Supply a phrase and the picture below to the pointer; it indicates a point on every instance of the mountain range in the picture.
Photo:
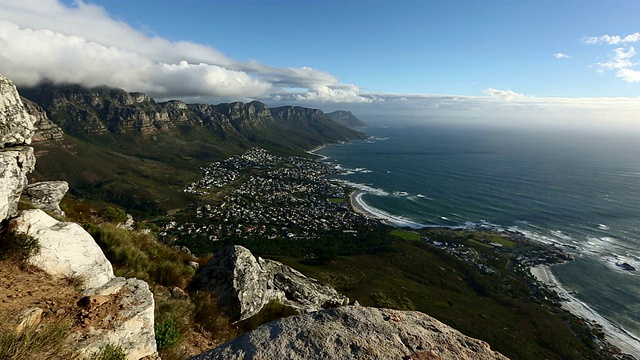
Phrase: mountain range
(126, 148)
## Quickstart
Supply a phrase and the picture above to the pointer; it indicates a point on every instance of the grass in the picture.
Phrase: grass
(110, 352)
(138, 254)
(44, 341)
(337, 200)
(18, 247)
(406, 234)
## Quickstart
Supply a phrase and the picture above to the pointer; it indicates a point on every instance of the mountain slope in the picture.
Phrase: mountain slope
(128, 149)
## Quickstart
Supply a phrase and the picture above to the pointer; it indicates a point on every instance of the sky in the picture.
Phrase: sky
(567, 61)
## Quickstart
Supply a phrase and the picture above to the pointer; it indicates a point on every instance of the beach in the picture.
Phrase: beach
(614, 335)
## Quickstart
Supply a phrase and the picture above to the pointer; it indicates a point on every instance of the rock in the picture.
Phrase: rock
(178, 293)
(29, 318)
(353, 332)
(345, 118)
(15, 164)
(46, 195)
(16, 125)
(125, 311)
(128, 223)
(45, 129)
(66, 249)
(245, 284)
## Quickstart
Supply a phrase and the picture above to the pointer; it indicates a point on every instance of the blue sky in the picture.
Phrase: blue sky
(531, 58)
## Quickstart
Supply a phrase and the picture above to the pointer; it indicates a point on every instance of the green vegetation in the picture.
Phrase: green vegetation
(114, 215)
(111, 352)
(406, 234)
(44, 341)
(167, 333)
(136, 254)
(18, 247)
(337, 200)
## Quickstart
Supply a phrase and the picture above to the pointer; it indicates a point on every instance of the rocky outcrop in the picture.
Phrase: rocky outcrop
(15, 164)
(46, 195)
(245, 284)
(16, 126)
(66, 249)
(45, 129)
(354, 332)
(120, 313)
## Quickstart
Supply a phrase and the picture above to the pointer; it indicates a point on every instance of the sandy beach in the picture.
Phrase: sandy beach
(626, 342)
(355, 200)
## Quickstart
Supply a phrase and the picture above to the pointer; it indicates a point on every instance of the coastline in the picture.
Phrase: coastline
(627, 343)
(615, 336)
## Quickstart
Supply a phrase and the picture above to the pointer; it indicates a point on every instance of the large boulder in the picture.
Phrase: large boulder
(15, 164)
(120, 313)
(46, 195)
(66, 249)
(16, 125)
(245, 284)
(353, 332)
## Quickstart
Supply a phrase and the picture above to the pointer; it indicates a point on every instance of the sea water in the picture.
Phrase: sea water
(577, 189)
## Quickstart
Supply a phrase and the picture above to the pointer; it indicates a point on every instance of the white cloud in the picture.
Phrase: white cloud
(503, 94)
(82, 43)
(613, 40)
(562, 56)
(629, 75)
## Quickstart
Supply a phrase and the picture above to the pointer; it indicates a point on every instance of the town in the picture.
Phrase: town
(263, 196)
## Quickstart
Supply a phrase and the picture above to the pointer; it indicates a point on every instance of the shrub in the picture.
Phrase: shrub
(167, 333)
(114, 215)
(111, 352)
(19, 247)
(209, 315)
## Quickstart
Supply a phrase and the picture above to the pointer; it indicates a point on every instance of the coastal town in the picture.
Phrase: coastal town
(261, 195)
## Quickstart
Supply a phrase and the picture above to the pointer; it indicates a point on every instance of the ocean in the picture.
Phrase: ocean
(577, 189)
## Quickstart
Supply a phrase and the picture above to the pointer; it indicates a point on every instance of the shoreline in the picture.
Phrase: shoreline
(626, 342)
(615, 336)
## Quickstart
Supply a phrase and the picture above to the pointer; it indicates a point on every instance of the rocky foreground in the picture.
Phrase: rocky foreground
(354, 332)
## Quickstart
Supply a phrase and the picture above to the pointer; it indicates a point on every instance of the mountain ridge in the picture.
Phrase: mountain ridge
(127, 149)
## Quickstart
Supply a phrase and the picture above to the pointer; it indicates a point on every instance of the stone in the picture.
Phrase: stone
(29, 318)
(66, 249)
(16, 125)
(353, 332)
(46, 195)
(15, 164)
(127, 320)
(245, 284)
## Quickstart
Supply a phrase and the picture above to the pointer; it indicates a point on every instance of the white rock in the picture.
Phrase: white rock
(354, 332)
(46, 195)
(16, 125)
(15, 164)
(245, 284)
(66, 249)
(132, 327)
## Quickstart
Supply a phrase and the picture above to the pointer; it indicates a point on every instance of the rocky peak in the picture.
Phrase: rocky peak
(345, 118)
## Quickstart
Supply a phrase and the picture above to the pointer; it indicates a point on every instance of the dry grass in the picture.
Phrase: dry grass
(44, 341)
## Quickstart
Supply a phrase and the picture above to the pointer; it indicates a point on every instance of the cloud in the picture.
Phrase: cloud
(503, 94)
(562, 56)
(612, 40)
(82, 43)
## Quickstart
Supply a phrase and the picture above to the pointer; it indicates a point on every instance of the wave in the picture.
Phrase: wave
(394, 220)
(363, 187)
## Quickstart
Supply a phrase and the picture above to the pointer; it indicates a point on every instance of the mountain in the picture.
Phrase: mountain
(128, 149)
(345, 118)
